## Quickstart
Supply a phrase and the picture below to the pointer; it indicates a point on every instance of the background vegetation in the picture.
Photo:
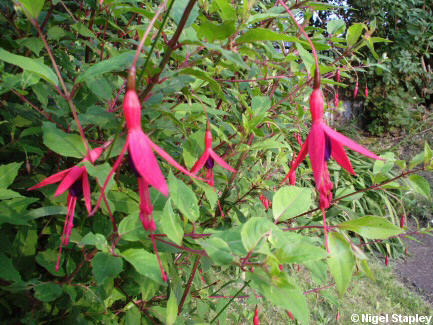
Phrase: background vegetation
(244, 67)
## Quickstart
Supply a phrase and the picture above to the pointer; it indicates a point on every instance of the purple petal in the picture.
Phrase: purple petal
(345, 141)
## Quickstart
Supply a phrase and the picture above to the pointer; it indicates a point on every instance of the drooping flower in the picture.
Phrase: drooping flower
(366, 90)
(290, 314)
(257, 318)
(265, 202)
(322, 143)
(142, 159)
(387, 260)
(355, 92)
(208, 159)
(76, 181)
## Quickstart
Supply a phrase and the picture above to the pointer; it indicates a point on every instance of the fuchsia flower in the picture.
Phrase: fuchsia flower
(208, 159)
(143, 161)
(366, 90)
(355, 92)
(76, 181)
(322, 143)
(257, 318)
(265, 202)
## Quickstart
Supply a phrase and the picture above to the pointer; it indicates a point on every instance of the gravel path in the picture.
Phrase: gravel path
(416, 271)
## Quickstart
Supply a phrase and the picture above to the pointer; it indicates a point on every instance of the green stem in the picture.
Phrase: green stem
(155, 40)
(230, 301)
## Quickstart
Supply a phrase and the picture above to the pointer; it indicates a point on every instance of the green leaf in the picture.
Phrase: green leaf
(65, 144)
(231, 56)
(336, 27)
(183, 198)
(218, 250)
(420, 185)
(341, 261)
(100, 87)
(178, 9)
(294, 248)
(263, 34)
(171, 309)
(260, 104)
(171, 224)
(83, 30)
(7, 269)
(225, 10)
(384, 166)
(8, 194)
(372, 227)
(97, 240)
(211, 32)
(34, 44)
(144, 263)
(32, 65)
(306, 57)
(55, 33)
(131, 228)
(415, 161)
(281, 291)
(117, 63)
(33, 7)
(105, 266)
(254, 233)
(48, 259)
(8, 173)
(133, 316)
(289, 201)
(206, 77)
(353, 33)
(47, 292)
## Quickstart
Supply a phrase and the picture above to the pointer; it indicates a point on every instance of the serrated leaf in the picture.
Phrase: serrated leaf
(371, 227)
(289, 201)
(29, 64)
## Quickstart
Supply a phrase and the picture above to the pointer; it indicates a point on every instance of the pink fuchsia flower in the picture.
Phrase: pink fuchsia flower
(336, 99)
(338, 74)
(298, 138)
(208, 159)
(403, 221)
(289, 313)
(324, 142)
(387, 260)
(355, 92)
(265, 202)
(257, 317)
(76, 181)
(366, 90)
(142, 159)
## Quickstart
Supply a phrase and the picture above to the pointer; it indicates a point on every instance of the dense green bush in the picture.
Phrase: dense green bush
(242, 70)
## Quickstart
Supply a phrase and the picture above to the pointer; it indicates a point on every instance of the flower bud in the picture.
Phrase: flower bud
(257, 318)
(355, 93)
